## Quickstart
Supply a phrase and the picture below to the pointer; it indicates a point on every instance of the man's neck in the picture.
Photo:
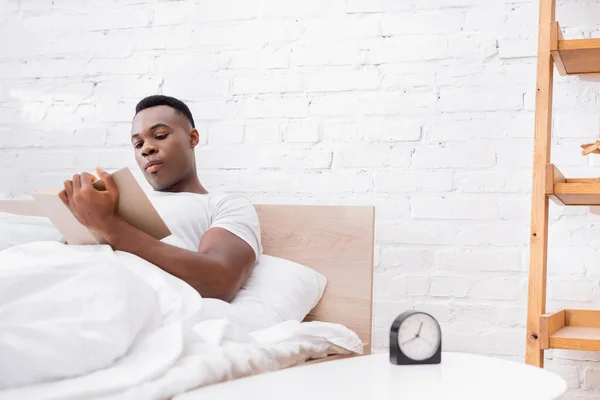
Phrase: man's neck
(187, 185)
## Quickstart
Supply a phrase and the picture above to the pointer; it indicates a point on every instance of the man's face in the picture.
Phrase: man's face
(163, 141)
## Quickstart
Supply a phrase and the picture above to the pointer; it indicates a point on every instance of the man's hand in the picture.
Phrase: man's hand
(95, 209)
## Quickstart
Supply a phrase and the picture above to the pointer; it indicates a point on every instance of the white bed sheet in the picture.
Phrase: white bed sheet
(172, 347)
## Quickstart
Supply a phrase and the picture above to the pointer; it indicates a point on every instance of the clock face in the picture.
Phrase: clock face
(419, 336)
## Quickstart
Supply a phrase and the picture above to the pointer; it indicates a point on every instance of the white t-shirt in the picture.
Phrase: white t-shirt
(190, 215)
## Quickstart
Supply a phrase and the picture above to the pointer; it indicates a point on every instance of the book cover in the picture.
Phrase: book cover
(134, 207)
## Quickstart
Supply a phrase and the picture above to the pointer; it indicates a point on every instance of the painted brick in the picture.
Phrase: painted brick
(569, 373)
(484, 259)
(232, 132)
(492, 181)
(472, 207)
(342, 130)
(462, 129)
(476, 47)
(119, 66)
(514, 208)
(413, 181)
(390, 130)
(335, 104)
(319, 54)
(572, 261)
(448, 286)
(274, 107)
(493, 234)
(222, 10)
(347, 27)
(374, 6)
(577, 125)
(407, 286)
(308, 8)
(262, 131)
(459, 155)
(248, 181)
(265, 58)
(273, 82)
(373, 155)
(415, 48)
(207, 109)
(448, 21)
(484, 19)
(280, 31)
(193, 88)
(497, 288)
(485, 99)
(591, 378)
(334, 181)
(571, 290)
(406, 258)
(517, 48)
(416, 232)
(516, 153)
(303, 131)
(343, 79)
(108, 89)
(263, 156)
(62, 67)
(418, 101)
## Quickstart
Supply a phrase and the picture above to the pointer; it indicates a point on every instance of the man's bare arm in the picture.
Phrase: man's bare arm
(218, 269)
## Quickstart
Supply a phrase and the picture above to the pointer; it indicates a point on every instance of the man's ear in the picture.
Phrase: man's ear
(194, 137)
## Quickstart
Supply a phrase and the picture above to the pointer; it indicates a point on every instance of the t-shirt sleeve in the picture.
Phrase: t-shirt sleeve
(237, 215)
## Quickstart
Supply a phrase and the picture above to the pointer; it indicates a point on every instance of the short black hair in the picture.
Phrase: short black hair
(161, 100)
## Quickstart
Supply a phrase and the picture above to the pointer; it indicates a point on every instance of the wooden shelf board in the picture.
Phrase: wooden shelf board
(574, 57)
(576, 338)
(571, 330)
(571, 191)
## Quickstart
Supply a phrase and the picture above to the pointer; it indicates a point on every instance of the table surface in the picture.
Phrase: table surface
(459, 376)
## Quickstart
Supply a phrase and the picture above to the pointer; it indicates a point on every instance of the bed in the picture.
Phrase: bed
(337, 241)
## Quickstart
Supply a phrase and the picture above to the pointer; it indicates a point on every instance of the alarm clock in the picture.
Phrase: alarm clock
(415, 338)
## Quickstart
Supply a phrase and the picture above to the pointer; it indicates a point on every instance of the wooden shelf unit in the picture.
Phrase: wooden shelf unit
(574, 57)
(572, 191)
(565, 329)
(571, 330)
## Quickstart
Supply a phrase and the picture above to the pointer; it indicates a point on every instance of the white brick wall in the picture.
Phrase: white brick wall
(423, 108)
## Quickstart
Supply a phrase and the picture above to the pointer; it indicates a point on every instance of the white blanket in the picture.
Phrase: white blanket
(87, 322)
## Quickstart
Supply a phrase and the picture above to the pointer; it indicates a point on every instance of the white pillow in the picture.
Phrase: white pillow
(278, 290)
(20, 229)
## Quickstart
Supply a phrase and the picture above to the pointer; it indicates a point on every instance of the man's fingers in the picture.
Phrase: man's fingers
(76, 182)
(87, 179)
(91, 177)
(108, 179)
(62, 195)
(69, 188)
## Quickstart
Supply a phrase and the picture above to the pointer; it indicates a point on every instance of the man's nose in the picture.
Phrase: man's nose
(149, 150)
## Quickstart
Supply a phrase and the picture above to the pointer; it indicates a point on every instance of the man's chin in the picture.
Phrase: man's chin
(155, 181)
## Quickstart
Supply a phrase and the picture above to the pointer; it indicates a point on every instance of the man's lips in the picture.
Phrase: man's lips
(153, 166)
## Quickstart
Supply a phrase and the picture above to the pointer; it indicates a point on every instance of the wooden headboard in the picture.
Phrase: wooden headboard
(337, 241)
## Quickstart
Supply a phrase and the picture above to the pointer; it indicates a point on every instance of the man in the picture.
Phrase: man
(225, 228)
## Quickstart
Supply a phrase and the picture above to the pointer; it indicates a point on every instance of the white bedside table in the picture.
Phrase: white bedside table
(459, 376)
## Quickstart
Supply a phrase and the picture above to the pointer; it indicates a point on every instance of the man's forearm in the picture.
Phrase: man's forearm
(206, 274)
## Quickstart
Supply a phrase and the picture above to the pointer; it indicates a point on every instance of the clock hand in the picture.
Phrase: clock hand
(409, 340)
(420, 326)
(425, 340)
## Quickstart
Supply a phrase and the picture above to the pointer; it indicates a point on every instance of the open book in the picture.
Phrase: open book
(134, 207)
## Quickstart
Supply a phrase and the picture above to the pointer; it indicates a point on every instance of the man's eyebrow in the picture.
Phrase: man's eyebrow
(153, 127)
